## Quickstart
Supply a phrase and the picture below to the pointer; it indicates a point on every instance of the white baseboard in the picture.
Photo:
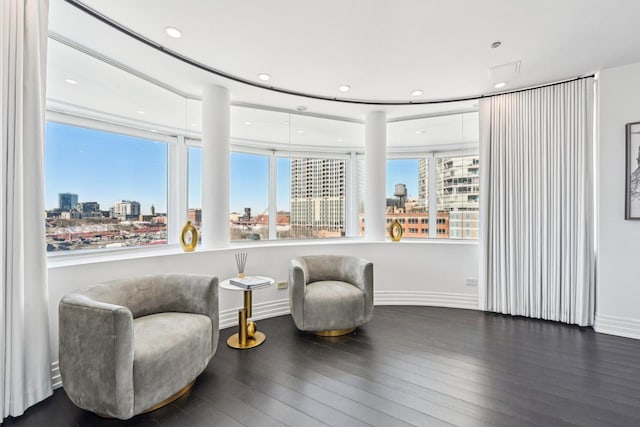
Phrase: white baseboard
(56, 379)
(439, 299)
(614, 325)
(262, 310)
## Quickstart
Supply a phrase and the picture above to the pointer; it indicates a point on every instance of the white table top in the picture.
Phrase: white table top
(227, 285)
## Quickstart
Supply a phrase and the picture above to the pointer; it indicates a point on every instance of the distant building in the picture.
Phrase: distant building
(416, 224)
(159, 219)
(67, 201)
(423, 183)
(195, 216)
(317, 197)
(88, 207)
(126, 209)
(73, 214)
(458, 194)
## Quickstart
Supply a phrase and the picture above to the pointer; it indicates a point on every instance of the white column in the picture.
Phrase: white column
(375, 174)
(215, 167)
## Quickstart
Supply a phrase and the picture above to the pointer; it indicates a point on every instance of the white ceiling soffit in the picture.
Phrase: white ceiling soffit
(383, 50)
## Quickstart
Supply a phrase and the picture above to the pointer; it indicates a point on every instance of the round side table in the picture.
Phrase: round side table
(248, 335)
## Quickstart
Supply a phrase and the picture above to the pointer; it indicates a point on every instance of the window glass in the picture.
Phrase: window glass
(360, 176)
(408, 194)
(283, 214)
(249, 196)
(103, 189)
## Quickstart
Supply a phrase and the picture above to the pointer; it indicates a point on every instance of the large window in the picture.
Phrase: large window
(103, 189)
(249, 196)
(435, 193)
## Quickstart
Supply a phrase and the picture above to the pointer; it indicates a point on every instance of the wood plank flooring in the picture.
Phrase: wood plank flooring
(425, 366)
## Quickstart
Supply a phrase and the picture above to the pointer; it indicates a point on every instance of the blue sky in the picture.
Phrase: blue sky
(402, 171)
(106, 167)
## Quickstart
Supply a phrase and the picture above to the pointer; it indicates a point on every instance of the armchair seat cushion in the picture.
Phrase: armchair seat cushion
(172, 346)
(332, 304)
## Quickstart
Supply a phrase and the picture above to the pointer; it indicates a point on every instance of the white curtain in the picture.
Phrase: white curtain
(537, 229)
(25, 362)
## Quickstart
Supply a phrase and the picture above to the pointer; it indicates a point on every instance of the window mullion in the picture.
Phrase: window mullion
(433, 196)
(178, 189)
(273, 195)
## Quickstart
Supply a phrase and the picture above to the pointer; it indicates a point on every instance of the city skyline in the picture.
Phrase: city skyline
(81, 161)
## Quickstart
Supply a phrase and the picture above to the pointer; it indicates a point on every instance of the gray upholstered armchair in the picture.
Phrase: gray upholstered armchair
(129, 346)
(330, 295)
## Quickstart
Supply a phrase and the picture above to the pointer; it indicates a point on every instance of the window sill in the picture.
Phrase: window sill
(107, 255)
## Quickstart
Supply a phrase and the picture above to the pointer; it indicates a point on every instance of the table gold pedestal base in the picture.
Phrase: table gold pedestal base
(254, 341)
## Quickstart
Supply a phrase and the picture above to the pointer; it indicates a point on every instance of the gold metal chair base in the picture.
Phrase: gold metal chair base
(254, 341)
(333, 333)
(165, 402)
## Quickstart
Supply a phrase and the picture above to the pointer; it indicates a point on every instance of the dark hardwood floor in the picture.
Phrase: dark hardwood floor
(424, 366)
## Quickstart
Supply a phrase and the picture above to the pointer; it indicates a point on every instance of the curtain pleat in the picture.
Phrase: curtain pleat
(25, 362)
(537, 203)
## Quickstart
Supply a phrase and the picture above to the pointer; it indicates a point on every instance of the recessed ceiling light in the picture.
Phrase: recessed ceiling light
(194, 124)
(140, 112)
(500, 85)
(421, 131)
(300, 131)
(340, 139)
(173, 32)
(154, 130)
(344, 88)
(416, 93)
(247, 123)
(71, 81)
(264, 76)
(495, 45)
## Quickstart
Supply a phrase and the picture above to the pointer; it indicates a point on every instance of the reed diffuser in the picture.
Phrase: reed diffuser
(241, 261)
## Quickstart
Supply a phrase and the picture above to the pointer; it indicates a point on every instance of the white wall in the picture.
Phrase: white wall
(618, 277)
(410, 273)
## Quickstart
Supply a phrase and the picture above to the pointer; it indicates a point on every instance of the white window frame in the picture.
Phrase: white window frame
(174, 181)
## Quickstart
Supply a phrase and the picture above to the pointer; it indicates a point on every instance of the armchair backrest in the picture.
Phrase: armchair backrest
(156, 294)
(334, 267)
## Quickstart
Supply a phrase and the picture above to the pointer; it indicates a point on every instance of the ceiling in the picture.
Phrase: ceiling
(384, 50)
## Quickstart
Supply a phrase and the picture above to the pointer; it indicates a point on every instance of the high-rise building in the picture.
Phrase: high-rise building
(423, 183)
(317, 197)
(67, 201)
(458, 190)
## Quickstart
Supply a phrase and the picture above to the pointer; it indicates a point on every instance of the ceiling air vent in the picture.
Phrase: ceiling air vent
(504, 72)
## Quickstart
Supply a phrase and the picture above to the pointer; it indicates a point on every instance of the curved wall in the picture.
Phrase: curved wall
(405, 273)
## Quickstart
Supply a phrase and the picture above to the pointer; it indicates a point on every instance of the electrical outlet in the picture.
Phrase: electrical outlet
(283, 285)
(471, 281)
